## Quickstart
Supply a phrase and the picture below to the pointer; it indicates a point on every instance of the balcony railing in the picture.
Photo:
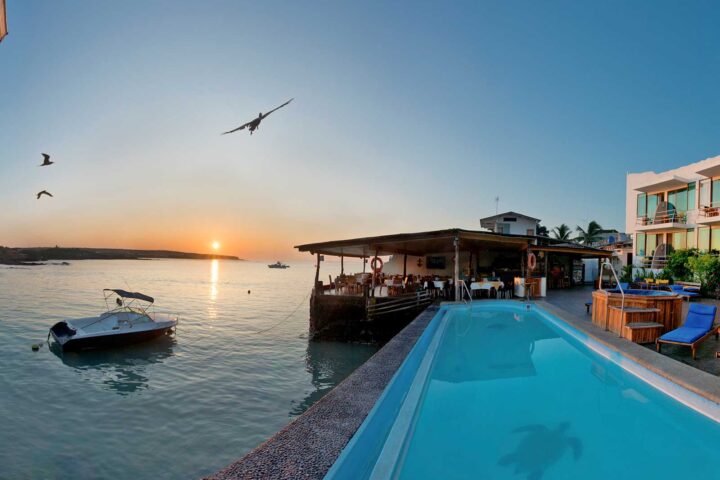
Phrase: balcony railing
(669, 217)
(653, 262)
(709, 211)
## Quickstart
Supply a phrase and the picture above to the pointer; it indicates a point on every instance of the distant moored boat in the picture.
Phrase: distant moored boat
(278, 264)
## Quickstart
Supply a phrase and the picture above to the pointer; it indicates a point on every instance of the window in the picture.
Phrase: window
(509, 219)
(715, 239)
(679, 240)
(531, 231)
(652, 203)
(715, 193)
(705, 193)
(640, 244)
(650, 245)
(691, 205)
(502, 228)
(704, 239)
(642, 205)
(683, 199)
(690, 241)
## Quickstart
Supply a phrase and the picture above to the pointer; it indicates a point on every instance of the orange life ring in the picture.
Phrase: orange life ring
(374, 265)
(532, 261)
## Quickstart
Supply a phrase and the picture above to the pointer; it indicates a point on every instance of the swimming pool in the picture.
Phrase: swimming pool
(500, 390)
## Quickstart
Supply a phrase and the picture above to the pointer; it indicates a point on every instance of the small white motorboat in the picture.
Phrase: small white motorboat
(278, 264)
(126, 321)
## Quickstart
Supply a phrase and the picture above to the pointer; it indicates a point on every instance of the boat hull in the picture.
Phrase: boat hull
(74, 343)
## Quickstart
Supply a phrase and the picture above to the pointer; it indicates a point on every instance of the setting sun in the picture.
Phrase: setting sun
(216, 245)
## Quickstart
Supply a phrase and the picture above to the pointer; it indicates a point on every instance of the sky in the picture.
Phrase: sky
(407, 116)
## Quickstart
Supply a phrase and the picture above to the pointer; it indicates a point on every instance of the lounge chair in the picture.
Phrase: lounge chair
(697, 328)
(624, 286)
(680, 290)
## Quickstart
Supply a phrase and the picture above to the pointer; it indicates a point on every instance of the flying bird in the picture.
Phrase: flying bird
(46, 160)
(44, 192)
(254, 124)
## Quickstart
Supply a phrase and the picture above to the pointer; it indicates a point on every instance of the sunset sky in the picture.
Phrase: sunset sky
(406, 116)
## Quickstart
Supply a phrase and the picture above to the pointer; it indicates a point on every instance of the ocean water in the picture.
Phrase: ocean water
(239, 368)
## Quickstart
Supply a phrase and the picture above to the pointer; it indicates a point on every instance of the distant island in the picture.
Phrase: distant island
(30, 256)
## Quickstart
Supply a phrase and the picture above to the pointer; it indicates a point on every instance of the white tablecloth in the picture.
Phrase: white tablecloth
(486, 285)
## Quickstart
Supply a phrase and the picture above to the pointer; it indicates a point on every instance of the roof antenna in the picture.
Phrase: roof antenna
(497, 202)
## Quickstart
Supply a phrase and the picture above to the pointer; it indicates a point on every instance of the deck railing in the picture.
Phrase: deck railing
(419, 299)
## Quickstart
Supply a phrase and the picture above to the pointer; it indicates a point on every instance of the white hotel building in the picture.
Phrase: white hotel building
(676, 209)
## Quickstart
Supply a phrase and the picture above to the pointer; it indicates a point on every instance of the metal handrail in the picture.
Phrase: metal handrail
(463, 289)
(622, 292)
(674, 217)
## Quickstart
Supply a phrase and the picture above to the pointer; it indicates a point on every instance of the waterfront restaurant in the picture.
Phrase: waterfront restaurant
(484, 261)
(460, 254)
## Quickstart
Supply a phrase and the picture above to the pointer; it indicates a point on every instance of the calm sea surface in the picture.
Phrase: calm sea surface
(180, 407)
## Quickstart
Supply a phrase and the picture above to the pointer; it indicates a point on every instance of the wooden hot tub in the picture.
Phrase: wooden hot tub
(647, 306)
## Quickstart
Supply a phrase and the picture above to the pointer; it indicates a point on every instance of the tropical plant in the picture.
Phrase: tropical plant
(542, 231)
(626, 275)
(677, 266)
(590, 234)
(561, 232)
(706, 270)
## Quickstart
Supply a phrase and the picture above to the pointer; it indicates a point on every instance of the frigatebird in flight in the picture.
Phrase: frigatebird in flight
(254, 124)
(44, 192)
(46, 160)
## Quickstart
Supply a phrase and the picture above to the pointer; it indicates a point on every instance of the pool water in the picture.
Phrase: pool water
(511, 393)
(644, 293)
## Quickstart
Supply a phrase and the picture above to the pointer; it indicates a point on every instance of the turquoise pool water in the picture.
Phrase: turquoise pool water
(498, 391)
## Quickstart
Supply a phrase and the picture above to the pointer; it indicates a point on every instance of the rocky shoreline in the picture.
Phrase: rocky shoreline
(40, 255)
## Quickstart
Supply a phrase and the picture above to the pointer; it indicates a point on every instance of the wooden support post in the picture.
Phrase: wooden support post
(342, 265)
(374, 275)
(405, 265)
(456, 276)
(317, 273)
(364, 263)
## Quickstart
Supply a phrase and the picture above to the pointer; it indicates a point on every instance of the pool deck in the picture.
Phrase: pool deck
(674, 363)
(307, 447)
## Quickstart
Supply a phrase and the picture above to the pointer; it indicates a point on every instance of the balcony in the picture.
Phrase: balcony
(709, 214)
(668, 220)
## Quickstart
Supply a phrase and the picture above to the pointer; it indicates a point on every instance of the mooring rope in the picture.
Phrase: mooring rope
(284, 319)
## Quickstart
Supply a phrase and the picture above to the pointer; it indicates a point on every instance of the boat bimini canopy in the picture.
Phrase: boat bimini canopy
(126, 294)
(121, 304)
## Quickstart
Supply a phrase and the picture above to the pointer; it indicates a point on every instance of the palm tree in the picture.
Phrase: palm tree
(589, 235)
(561, 232)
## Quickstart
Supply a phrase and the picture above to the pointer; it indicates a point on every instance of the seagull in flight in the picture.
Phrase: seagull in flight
(44, 192)
(46, 160)
(254, 124)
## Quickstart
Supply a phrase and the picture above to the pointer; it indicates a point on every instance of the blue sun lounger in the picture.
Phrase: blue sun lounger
(697, 328)
(680, 290)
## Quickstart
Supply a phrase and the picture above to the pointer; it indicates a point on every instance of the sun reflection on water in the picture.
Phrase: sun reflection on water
(214, 274)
